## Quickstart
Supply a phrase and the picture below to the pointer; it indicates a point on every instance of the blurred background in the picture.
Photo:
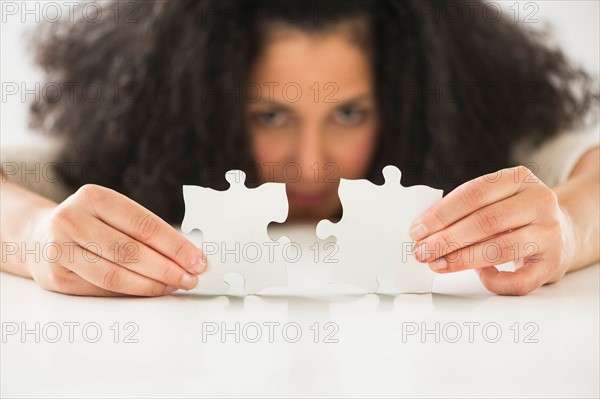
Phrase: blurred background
(572, 24)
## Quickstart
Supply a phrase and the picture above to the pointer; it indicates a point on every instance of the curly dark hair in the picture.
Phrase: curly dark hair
(449, 91)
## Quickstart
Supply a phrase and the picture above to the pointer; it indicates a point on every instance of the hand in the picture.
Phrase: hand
(501, 217)
(100, 243)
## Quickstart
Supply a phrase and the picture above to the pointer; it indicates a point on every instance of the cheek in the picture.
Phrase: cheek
(353, 153)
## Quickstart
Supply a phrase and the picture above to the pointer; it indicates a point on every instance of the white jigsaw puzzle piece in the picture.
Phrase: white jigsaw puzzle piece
(372, 236)
(234, 228)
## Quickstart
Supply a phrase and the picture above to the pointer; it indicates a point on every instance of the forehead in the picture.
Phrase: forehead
(290, 55)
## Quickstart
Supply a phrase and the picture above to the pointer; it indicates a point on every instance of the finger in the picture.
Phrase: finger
(84, 288)
(469, 197)
(508, 247)
(109, 276)
(62, 280)
(133, 255)
(138, 222)
(490, 221)
(520, 282)
(78, 286)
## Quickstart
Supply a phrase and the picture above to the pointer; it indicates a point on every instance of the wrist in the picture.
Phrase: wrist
(34, 234)
(571, 238)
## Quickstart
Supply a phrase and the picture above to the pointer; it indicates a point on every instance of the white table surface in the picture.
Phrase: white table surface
(375, 354)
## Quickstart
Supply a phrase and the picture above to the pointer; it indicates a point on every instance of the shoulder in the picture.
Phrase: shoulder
(31, 161)
(553, 159)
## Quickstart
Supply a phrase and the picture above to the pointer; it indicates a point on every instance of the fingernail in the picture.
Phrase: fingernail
(418, 232)
(188, 281)
(169, 289)
(439, 264)
(198, 264)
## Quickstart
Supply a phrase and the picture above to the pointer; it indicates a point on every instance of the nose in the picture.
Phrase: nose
(309, 157)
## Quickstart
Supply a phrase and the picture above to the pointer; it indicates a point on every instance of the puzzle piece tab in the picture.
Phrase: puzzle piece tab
(234, 228)
(372, 236)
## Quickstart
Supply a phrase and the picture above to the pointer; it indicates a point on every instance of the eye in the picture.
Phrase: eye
(349, 115)
(271, 118)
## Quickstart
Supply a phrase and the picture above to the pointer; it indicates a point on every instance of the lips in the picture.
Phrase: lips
(305, 197)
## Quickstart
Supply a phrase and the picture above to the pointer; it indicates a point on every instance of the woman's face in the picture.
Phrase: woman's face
(315, 120)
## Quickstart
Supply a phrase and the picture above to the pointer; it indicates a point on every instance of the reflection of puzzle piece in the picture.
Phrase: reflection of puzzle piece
(234, 226)
(373, 237)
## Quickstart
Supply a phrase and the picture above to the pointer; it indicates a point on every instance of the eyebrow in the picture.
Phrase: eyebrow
(283, 106)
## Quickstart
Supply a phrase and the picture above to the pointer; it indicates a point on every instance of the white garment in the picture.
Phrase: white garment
(31, 162)
(554, 160)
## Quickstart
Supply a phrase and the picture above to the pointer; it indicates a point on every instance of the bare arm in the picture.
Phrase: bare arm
(18, 210)
(579, 196)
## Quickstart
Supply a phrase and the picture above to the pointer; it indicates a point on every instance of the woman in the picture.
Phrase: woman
(448, 92)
